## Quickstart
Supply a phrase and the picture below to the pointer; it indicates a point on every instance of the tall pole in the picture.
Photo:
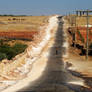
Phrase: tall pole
(75, 33)
(87, 30)
(87, 35)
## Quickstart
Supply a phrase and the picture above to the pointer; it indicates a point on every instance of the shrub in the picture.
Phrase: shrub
(3, 56)
(18, 47)
(90, 46)
(81, 37)
(10, 52)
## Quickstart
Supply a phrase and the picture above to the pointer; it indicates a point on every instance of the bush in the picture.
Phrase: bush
(3, 56)
(18, 47)
(81, 37)
(10, 52)
(90, 46)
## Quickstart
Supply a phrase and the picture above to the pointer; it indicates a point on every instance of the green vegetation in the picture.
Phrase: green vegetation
(81, 37)
(7, 51)
(2, 56)
(90, 46)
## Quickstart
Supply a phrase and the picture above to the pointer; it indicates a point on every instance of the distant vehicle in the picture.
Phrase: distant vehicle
(60, 21)
(59, 17)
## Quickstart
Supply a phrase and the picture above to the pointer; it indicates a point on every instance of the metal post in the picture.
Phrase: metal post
(87, 34)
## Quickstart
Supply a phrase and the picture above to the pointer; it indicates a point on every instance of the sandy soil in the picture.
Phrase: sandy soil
(49, 72)
(77, 64)
(38, 52)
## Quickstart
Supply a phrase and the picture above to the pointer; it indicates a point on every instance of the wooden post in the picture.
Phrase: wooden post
(81, 12)
(75, 33)
(87, 35)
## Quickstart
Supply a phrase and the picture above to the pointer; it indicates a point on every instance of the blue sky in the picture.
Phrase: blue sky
(42, 7)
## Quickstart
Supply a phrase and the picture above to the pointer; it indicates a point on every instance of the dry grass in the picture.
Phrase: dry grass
(22, 24)
(80, 21)
(26, 23)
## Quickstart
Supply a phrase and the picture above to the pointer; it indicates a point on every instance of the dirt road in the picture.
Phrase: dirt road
(54, 78)
(48, 73)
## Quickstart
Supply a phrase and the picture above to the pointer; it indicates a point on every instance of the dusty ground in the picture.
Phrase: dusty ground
(22, 23)
(77, 64)
(49, 72)
(12, 70)
(11, 24)
(16, 70)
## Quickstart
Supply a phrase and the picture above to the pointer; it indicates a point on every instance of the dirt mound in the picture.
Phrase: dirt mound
(19, 35)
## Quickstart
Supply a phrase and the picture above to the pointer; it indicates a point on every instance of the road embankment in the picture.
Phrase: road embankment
(23, 64)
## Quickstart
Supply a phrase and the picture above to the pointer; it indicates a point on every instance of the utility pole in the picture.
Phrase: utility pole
(87, 35)
(75, 33)
(87, 30)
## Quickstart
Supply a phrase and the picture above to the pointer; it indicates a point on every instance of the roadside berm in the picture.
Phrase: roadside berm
(12, 71)
(77, 64)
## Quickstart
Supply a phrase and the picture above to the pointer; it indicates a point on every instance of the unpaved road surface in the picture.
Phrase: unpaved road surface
(54, 78)
(48, 73)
